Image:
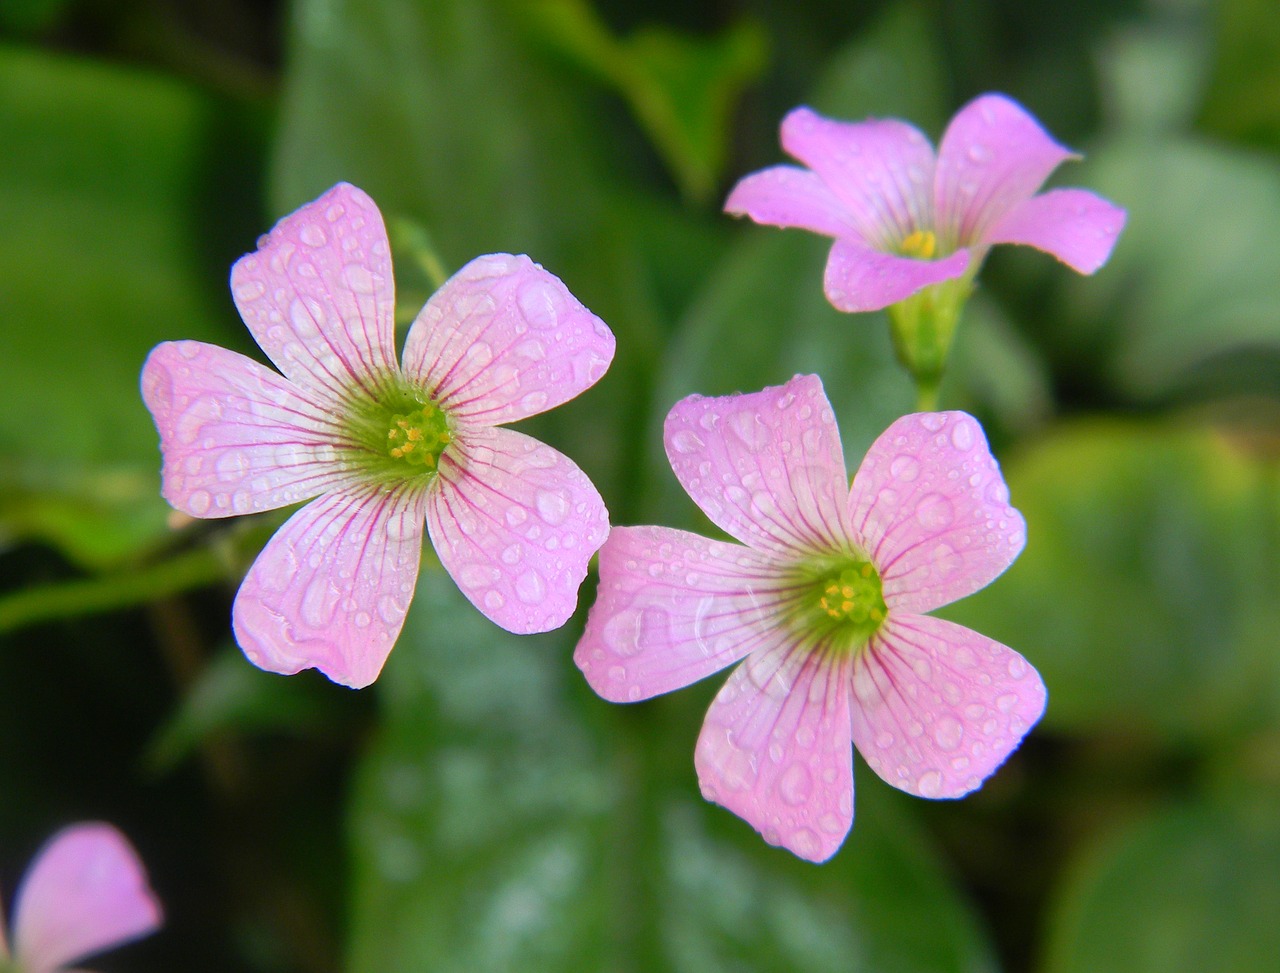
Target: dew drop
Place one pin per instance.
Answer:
(1007, 702)
(929, 784)
(538, 300)
(313, 236)
(531, 588)
(934, 512)
(905, 468)
(962, 435)
(553, 506)
(199, 503)
(948, 733)
(795, 785)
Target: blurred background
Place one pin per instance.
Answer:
(479, 809)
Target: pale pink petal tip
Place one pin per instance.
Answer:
(1078, 227)
(775, 750)
(331, 589)
(86, 892)
(938, 707)
(504, 339)
(515, 524)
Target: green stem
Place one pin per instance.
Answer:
(927, 395)
(30, 606)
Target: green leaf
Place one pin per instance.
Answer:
(680, 88)
(1186, 890)
(1145, 595)
(1242, 96)
(1194, 274)
(507, 819)
(102, 255)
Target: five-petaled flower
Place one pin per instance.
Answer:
(825, 604)
(86, 892)
(383, 446)
(904, 219)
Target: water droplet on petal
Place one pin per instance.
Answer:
(795, 785)
(962, 435)
(948, 733)
(929, 784)
(905, 468)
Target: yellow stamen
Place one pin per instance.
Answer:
(921, 244)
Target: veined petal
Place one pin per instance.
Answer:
(331, 588)
(515, 523)
(993, 156)
(775, 748)
(861, 279)
(938, 707)
(767, 466)
(791, 196)
(236, 437)
(504, 339)
(318, 295)
(932, 510)
(1076, 226)
(85, 892)
(882, 169)
(673, 607)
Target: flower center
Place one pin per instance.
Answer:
(418, 437)
(846, 602)
(921, 244)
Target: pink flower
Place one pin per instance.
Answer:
(904, 219)
(383, 447)
(825, 604)
(85, 892)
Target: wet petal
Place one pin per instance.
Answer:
(993, 157)
(767, 466)
(85, 892)
(882, 169)
(932, 509)
(504, 339)
(236, 437)
(673, 607)
(790, 196)
(861, 279)
(515, 523)
(938, 707)
(318, 294)
(1075, 225)
(775, 749)
(331, 588)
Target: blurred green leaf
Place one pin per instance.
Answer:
(1145, 595)
(101, 256)
(1153, 74)
(31, 16)
(1194, 274)
(1242, 100)
(506, 819)
(1187, 890)
(680, 88)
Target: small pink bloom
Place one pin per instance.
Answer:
(825, 604)
(85, 892)
(904, 219)
(383, 446)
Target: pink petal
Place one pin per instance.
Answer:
(932, 509)
(85, 892)
(790, 196)
(774, 749)
(993, 157)
(503, 339)
(1076, 226)
(767, 466)
(861, 279)
(331, 588)
(674, 607)
(236, 437)
(515, 523)
(938, 707)
(318, 295)
(882, 169)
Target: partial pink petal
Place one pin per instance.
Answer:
(882, 169)
(931, 508)
(1075, 225)
(331, 588)
(993, 157)
(236, 437)
(861, 279)
(85, 892)
(515, 523)
(775, 750)
(673, 607)
(766, 466)
(938, 707)
(790, 196)
(503, 339)
(318, 294)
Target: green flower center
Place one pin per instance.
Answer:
(845, 602)
(418, 437)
